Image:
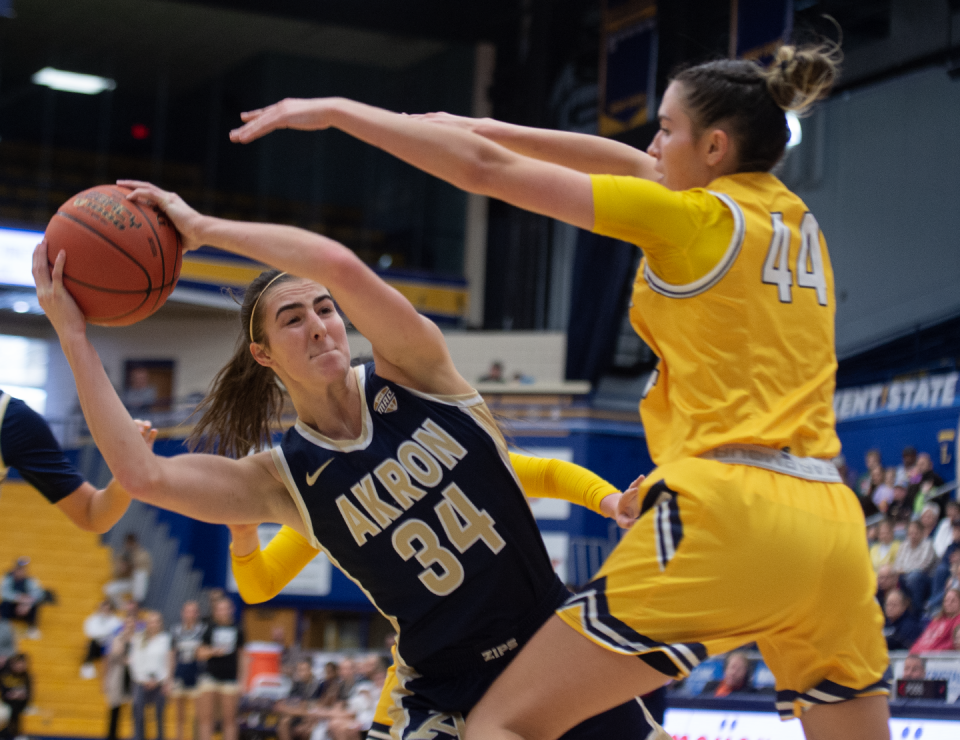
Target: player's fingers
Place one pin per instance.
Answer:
(134, 184)
(41, 270)
(248, 115)
(57, 274)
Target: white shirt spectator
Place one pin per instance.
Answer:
(102, 627)
(911, 558)
(150, 657)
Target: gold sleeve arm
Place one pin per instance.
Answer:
(263, 573)
(547, 478)
(683, 234)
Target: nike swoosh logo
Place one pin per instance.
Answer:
(312, 478)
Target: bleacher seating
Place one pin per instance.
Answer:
(74, 565)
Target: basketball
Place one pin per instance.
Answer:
(123, 258)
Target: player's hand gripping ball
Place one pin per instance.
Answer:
(123, 258)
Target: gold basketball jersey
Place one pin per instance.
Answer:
(746, 343)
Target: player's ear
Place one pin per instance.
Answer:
(260, 355)
(719, 145)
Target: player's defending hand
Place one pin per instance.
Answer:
(296, 113)
(628, 508)
(186, 220)
(55, 300)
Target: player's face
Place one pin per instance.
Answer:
(679, 152)
(306, 338)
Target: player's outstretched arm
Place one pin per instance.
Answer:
(262, 574)
(408, 348)
(594, 155)
(460, 157)
(205, 487)
(550, 478)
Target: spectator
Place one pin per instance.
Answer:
(213, 596)
(884, 552)
(348, 678)
(939, 633)
(956, 638)
(883, 493)
(296, 720)
(873, 461)
(222, 648)
(915, 561)
(494, 374)
(923, 482)
(946, 573)
(150, 673)
(887, 580)
(328, 692)
(914, 668)
(943, 537)
(901, 629)
(100, 628)
(186, 637)
(116, 677)
(141, 395)
(131, 572)
(736, 674)
(929, 516)
(8, 641)
(908, 460)
(354, 720)
(15, 692)
(900, 509)
(29, 446)
(21, 597)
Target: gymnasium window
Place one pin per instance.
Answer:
(23, 372)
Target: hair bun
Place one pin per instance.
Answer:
(801, 75)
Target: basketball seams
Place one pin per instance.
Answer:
(163, 257)
(83, 230)
(116, 246)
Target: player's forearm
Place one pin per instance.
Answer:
(546, 478)
(93, 510)
(587, 153)
(114, 431)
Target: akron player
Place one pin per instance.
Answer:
(395, 469)
(28, 445)
(261, 574)
(745, 532)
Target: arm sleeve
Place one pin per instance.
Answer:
(27, 444)
(683, 234)
(547, 478)
(263, 573)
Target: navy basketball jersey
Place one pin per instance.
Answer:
(424, 513)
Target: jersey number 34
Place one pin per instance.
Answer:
(464, 525)
(809, 265)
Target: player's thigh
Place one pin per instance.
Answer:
(559, 679)
(867, 718)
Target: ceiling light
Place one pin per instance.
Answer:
(21, 306)
(58, 79)
(796, 132)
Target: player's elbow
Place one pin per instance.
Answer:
(483, 169)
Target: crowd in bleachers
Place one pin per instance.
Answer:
(203, 660)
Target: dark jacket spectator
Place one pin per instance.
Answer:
(900, 627)
(15, 692)
(22, 595)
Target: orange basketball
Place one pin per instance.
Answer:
(123, 258)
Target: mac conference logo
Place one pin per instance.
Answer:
(385, 401)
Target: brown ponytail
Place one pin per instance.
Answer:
(800, 75)
(750, 100)
(245, 399)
